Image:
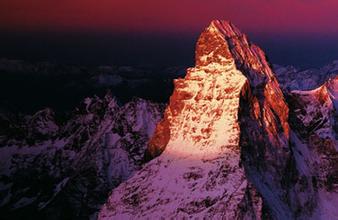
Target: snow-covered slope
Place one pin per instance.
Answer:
(62, 171)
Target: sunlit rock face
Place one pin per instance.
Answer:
(264, 129)
(219, 48)
(198, 172)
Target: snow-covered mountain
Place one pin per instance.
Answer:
(292, 78)
(229, 147)
(239, 139)
(64, 171)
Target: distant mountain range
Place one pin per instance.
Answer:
(28, 87)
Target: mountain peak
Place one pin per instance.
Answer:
(223, 43)
(227, 104)
(224, 27)
(212, 46)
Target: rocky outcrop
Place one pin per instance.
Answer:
(72, 166)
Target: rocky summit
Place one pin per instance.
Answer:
(230, 147)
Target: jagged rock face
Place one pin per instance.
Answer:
(218, 46)
(264, 129)
(314, 122)
(100, 146)
(198, 172)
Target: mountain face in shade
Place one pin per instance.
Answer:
(314, 123)
(228, 147)
(314, 139)
(54, 170)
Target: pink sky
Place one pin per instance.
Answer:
(270, 16)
